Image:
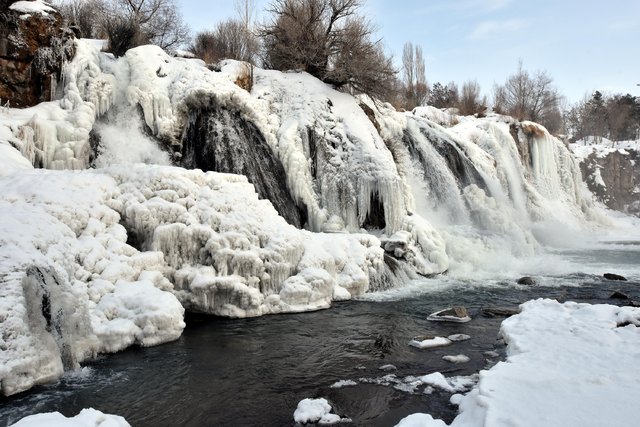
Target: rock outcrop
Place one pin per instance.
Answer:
(34, 45)
(611, 170)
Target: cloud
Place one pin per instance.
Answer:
(486, 29)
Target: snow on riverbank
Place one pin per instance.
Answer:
(86, 418)
(568, 365)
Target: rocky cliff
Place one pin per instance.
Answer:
(611, 171)
(34, 45)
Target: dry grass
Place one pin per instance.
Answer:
(531, 129)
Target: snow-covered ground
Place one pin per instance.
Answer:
(601, 147)
(568, 365)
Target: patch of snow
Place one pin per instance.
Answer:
(459, 337)
(343, 383)
(420, 420)
(86, 418)
(316, 411)
(459, 358)
(420, 342)
(33, 6)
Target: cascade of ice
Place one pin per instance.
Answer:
(438, 185)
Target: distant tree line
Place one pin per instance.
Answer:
(615, 117)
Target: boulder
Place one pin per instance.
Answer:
(619, 295)
(612, 276)
(457, 314)
(526, 280)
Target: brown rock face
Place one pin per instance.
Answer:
(621, 176)
(33, 49)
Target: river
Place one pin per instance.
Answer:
(253, 372)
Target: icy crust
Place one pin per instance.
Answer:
(568, 365)
(230, 253)
(86, 418)
(74, 286)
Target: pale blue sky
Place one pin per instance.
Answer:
(584, 45)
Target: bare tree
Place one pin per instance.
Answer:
(86, 15)
(444, 96)
(416, 89)
(330, 40)
(528, 97)
(230, 39)
(470, 101)
(156, 21)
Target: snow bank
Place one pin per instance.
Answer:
(86, 418)
(568, 365)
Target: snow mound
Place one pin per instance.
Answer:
(86, 418)
(542, 384)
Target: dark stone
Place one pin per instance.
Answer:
(612, 276)
(456, 311)
(619, 295)
(526, 280)
(499, 311)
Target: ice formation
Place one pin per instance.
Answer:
(541, 383)
(96, 260)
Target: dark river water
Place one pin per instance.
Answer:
(253, 372)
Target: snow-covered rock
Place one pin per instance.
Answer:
(316, 411)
